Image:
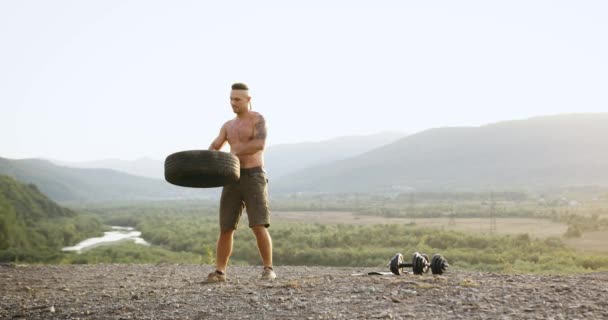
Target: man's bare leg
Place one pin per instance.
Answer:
(224, 250)
(264, 244)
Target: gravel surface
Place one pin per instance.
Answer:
(175, 292)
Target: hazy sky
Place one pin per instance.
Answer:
(83, 80)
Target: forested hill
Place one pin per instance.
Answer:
(34, 228)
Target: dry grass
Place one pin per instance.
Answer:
(590, 242)
(468, 283)
(540, 228)
(293, 284)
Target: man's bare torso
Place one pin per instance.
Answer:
(240, 131)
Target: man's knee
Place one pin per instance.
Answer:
(259, 229)
(226, 233)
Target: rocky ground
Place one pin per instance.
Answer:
(176, 292)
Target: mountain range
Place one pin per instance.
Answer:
(542, 152)
(143, 179)
(280, 159)
(532, 154)
(68, 184)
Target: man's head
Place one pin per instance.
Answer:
(239, 98)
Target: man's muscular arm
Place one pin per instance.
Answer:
(258, 142)
(219, 142)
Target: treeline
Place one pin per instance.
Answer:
(581, 223)
(356, 201)
(362, 245)
(443, 204)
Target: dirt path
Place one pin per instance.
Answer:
(175, 292)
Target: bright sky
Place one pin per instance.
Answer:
(84, 80)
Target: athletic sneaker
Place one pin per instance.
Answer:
(215, 277)
(268, 274)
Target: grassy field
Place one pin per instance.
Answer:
(590, 242)
(539, 228)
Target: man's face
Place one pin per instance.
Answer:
(239, 100)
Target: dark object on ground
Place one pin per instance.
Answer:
(396, 264)
(420, 264)
(439, 264)
(202, 168)
(373, 273)
(376, 273)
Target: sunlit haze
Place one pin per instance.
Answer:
(84, 80)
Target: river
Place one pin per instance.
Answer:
(118, 234)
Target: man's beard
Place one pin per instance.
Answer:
(237, 110)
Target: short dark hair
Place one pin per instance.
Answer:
(239, 86)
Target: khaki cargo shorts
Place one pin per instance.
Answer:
(250, 192)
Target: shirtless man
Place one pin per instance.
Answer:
(246, 134)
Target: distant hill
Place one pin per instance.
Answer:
(143, 167)
(85, 185)
(289, 158)
(551, 151)
(279, 159)
(34, 228)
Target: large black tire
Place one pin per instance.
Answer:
(202, 169)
